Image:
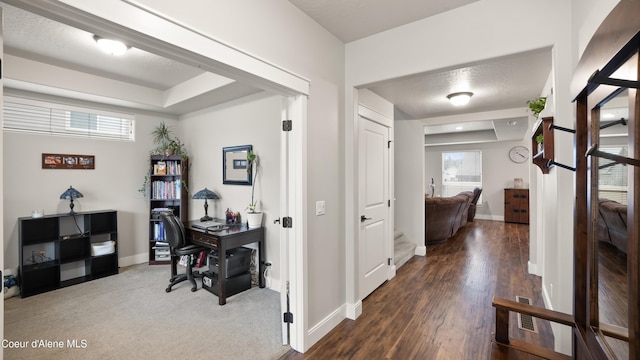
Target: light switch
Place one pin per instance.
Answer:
(320, 208)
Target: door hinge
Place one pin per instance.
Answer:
(389, 203)
(286, 125)
(287, 222)
(288, 317)
(389, 261)
(389, 144)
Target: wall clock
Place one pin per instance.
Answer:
(519, 154)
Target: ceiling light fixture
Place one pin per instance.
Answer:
(113, 47)
(460, 98)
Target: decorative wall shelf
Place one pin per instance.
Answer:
(542, 157)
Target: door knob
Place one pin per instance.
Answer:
(364, 218)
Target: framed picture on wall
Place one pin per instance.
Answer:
(68, 161)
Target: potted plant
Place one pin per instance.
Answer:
(165, 143)
(537, 105)
(254, 218)
(540, 140)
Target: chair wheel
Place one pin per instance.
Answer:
(167, 289)
(193, 289)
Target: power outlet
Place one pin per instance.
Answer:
(320, 208)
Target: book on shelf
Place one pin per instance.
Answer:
(161, 168)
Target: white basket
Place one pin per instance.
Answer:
(103, 248)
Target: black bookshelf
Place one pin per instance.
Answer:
(169, 178)
(66, 249)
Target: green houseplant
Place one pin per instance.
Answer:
(537, 105)
(254, 218)
(539, 140)
(165, 143)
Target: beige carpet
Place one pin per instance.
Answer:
(130, 316)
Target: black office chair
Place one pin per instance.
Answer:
(175, 236)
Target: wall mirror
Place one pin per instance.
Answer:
(610, 132)
(236, 169)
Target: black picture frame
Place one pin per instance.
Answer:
(236, 170)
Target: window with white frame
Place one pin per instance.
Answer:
(612, 176)
(461, 171)
(25, 115)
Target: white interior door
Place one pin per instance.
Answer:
(374, 205)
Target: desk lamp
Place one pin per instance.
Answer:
(205, 194)
(71, 194)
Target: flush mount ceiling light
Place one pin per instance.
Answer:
(113, 47)
(460, 98)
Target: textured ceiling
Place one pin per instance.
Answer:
(35, 37)
(502, 83)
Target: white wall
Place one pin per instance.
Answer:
(120, 168)
(498, 173)
(409, 180)
(253, 120)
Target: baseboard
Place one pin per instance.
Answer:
(327, 324)
(273, 284)
(489, 217)
(133, 260)
(392, 272)
(354, 310)
(421, 250)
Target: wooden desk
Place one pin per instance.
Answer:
(232, 236)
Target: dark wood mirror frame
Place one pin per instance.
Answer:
(615, 46)
(236, 169)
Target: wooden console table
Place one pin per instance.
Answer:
(232, 236)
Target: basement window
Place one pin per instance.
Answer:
(612, 176)
(461, 171)
(38, 117)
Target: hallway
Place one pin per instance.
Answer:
(439, 306)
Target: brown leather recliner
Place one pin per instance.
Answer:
(445, 215)
(612, 223)
(474, 202)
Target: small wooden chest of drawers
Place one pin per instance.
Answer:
(516, 206)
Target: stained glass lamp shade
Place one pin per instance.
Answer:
(206, 194)
(71, 194)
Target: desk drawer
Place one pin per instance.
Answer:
(205, 239)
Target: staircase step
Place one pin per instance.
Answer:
(403, 250)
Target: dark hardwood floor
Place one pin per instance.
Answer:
(439, 306)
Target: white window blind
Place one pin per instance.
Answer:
(23, 115)
(461, 171)
(612, 177)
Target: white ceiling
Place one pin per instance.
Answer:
(497, 84)
(351, 20)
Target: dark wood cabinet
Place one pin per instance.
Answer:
(66, 249)
(516, 206)
(168, 181)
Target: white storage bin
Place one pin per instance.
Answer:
(103, 248)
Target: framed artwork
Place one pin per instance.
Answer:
(68, 161)
(236, 169)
